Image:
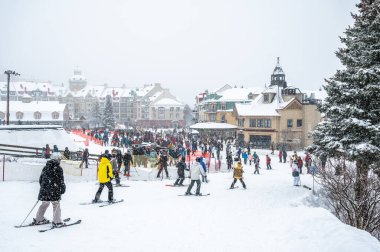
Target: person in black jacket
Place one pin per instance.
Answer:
(128, 161)
(181, 172)
(52, 187)
(163, 164)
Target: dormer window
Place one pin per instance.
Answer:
(55, 115)
(19, 115)
(250, 96)
(37, 115)
(266, 97)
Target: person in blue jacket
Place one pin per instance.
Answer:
(245, 157)
(204, 177)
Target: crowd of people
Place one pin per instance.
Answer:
(160, 149)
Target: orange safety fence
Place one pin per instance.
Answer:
(87, 137)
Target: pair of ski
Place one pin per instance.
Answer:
(65, 221)
(195, 195)
(106, 203)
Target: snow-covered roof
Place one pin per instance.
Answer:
(46, 108)
(238, 94)
(212, 125)
(319, 94)
(258, 108)
(167, 102)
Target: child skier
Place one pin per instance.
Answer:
(238, 174)
(181, 172)
(269, 167)
(257, 166)
(296, 174)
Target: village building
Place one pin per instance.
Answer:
(278, 114)
(150, 105)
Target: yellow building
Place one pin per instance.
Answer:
(281, 114)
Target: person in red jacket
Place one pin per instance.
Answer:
(269, 167)
(280, 155)
(300, 164)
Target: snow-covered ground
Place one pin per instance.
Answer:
(271, 215)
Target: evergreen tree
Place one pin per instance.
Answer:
(108, 118)
(351, 130)
(96, 115)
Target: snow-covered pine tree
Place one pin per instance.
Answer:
(108, 117)
(351, 129)
(96, 115)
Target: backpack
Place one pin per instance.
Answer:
(295, 173)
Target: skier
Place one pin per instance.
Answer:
(257, 166)
(245, 157)
(296, 174)
(284, 155)
(255, 157)
(300, 164)
(269, 167)
(163, 164)
(195, 171)
(229, 161)
(280, 156)
(181, 172)
(238, 175)
(47, 152)
(204, 176)
(104, 176)
(52, 187)
(128, 161)
(66, 153)
(85, 156)
(115, 167)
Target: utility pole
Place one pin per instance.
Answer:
(9, 73)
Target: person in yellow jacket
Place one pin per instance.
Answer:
(105, 175)
(238, 175)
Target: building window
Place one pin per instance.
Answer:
(171, 109)
(177, 109)
(266, 98)
(223, 119)
(250, 96)
(260, 123)
(55, 115)
(177, 115)
(2, 115)
(161, 113)
(223, 106)
(37, 115)
(252, 123)
(299, 122)
(212, 117)
(241, 122)
(267, 123)
(290, 123)
(19, 115)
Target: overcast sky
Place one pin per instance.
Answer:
(187, 45)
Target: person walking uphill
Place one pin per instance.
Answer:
(105, 175)
(238, 175)
(195, 171)
(52, 187)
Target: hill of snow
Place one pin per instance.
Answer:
(271, 215)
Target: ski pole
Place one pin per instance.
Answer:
(29, 213)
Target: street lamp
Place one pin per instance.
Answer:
(9, 73)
